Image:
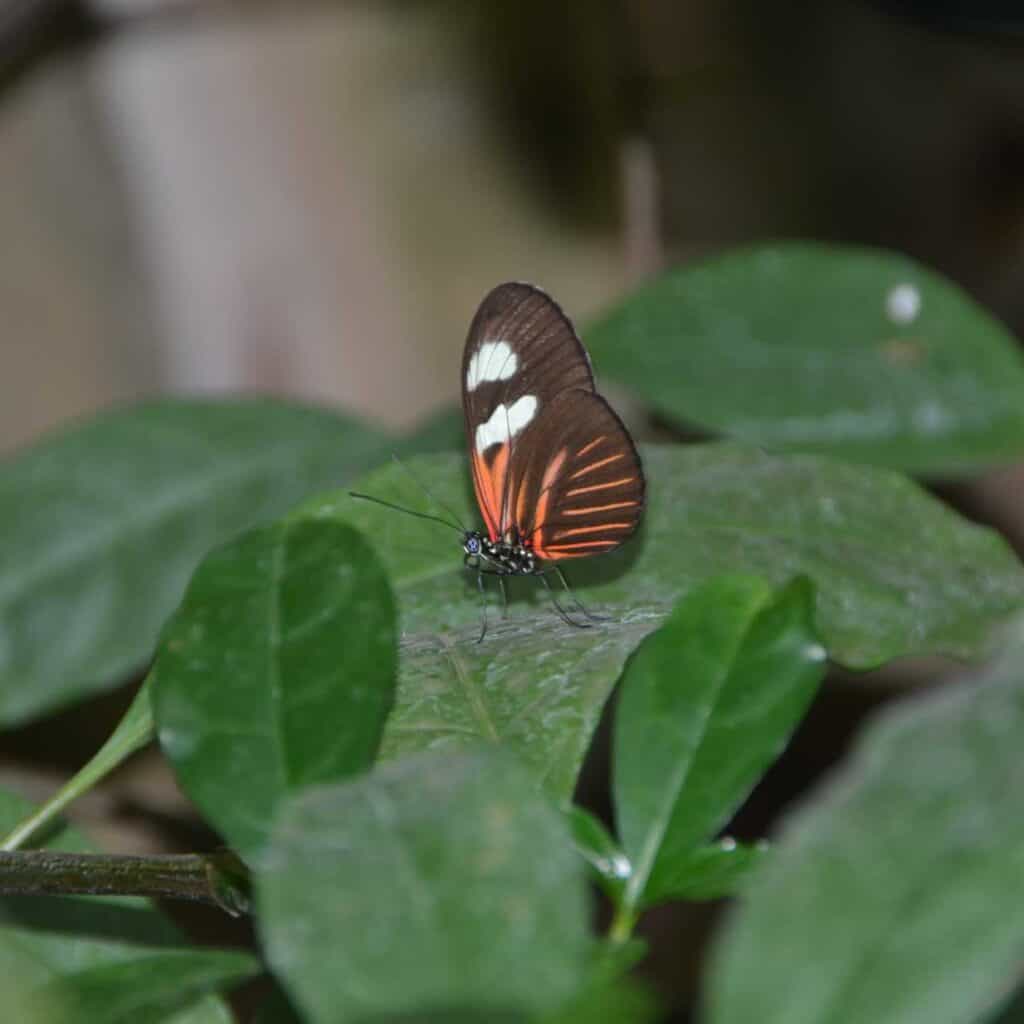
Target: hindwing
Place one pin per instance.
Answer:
(576, 487)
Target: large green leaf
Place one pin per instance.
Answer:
(101, 525)
(707, 873)
(146, 989)
(895, 573)
(59, 947)
(134, 731)
(608, 862)
(892, 897)
(707, 703)
(442, 882)
(855, 352)
(615, 1002)
(277, 671)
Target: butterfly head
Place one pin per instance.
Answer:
(473, 545)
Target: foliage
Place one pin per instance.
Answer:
(853, 352)
(402, 793)
(74, 959)
(914, 846)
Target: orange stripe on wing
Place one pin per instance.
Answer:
(499, 472)
(597, 508)
(490, 485)
(587, 447)
(595, 465)
(546, 483)
(520, 517)
(479, 485)
(557, 548)
(577, 530)
(600, 487)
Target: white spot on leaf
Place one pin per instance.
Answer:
(903, 303)
(815, 652)
(932, 418)
(620, 866)
(506, 422)
(493, 360)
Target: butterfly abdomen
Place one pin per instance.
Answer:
(511, 559)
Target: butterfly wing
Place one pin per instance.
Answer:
(577, 486)
(521, 353)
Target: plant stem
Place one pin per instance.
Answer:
(622, 925)
(134, 731)
(218, 879)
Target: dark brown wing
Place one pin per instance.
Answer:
(577, 486)
(521, 352)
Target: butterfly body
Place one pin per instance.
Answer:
(505, 558)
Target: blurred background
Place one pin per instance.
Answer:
(309, 197)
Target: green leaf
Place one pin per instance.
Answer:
(895, 572)
(49, 945)
(707, 873)
(609, 995)
(132, 733)
(707, 703)
(146, 989)
(813, 347)
(101, 525)
(621, 1002)
(892, 896)
(441, 882)
(277, 671)
(607, 861)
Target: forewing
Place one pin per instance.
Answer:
(521, 353)
(577, 486)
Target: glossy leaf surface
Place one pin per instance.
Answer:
(709, 872)
(53, 950)
(895, 573)
(442, 882)
(859, 353)
(102, 523)
(146, 989)
(890, 896)
(277, 671)
(707, 703)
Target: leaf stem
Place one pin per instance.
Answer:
(134, 731)
(622, 925)
(217, 879)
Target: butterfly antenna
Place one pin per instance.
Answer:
(407, 511)
(426, 490)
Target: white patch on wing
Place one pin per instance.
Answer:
(493, 360)
(506, 422)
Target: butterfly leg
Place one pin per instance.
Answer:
(501, 586)
(504, 595)
(483, 605)
(589, 615)
(561, 611)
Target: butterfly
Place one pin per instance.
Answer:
(556, 474)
